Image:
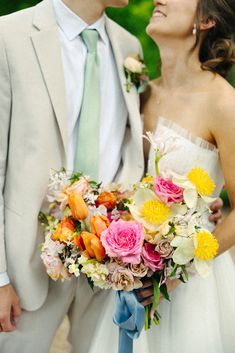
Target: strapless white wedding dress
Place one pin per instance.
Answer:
(201, 315)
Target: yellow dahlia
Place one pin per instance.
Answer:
(155, 212)
(202, 181)
(147, 179)
(207, 246)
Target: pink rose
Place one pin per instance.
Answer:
(167, 191)
(152, 258)
(123, 240)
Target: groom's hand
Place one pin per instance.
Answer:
(216, 208)
(9, 308)
(145, 293)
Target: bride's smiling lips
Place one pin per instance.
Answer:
(158, 14)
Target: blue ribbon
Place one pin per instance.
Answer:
(130, 317)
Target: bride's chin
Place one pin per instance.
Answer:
(152, 29)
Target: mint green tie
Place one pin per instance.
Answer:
(87, 152)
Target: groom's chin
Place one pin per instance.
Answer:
(116, 3)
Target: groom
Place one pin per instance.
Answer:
(62, 96)
(61, 74)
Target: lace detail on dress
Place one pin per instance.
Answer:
(199, 141)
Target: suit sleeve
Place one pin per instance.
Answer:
(5, 113)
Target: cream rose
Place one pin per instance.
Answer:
(133, 65)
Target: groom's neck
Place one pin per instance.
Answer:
(89, 10)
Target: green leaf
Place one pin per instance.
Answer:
(185, 272)
(147, 323)
(173, 272)
(42, 217)
(75, 177)
(156, 294)
(164, 292)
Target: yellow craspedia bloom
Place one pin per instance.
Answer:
(155, 212)
(202, 181)
(207, 246)
(147, 179)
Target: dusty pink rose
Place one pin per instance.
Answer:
(139, 270)
(152, 258)
(123, 239)
(167, 191)
(123, 279)
(164, 248)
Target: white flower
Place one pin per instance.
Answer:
(191, 196)
(73, 269)
(133, 65)
(82, 259)
(184, 252)
(97, 272)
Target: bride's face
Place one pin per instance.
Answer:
(172, 18)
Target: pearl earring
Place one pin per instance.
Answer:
(194, 29)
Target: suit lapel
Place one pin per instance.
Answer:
(47, 47)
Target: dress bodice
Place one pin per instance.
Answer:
(183, 151)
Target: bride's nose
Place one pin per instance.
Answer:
(159, 2)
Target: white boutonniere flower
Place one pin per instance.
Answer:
(136, 73)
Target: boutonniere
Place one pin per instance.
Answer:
(136, 73)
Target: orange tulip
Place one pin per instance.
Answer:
(108, 199)
(64, 230)
(78, 206)
(79, 242)
(93, 246)
(99, 224)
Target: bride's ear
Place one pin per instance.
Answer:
(207, 23)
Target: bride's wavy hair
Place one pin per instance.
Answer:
(217, 49)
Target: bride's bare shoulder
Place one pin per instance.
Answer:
(223, 108)
(223, 98)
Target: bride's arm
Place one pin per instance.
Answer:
(223, 127)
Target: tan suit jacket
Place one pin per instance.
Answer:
(34, 136)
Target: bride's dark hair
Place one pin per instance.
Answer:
(217, 49)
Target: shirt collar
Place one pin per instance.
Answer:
(72, 25)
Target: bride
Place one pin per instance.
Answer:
(192, 102)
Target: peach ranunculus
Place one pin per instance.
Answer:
(55, 268)
(93, 246)
(108, 199)
(64, 231)
(99, 224)
(80, 187)
(77, 206)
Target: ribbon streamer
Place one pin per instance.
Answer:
(130, 317)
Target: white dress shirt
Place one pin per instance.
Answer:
(113, 108)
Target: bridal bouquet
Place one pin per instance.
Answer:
(118, 237)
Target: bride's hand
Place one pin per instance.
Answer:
(145, 294)
(216, 207)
